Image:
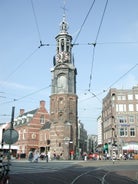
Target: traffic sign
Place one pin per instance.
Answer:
(10, 136)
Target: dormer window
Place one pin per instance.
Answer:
(42, 119)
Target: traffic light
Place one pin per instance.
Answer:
(105, 148)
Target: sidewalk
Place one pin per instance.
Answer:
(39, 160)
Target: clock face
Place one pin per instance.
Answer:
(62, 57)
(58, 57)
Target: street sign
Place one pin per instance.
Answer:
(10, 136)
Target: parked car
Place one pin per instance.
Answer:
(93, 156)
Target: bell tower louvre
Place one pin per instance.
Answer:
(63, 99)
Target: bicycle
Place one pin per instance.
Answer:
(4, 174)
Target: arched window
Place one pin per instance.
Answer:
(62, 83)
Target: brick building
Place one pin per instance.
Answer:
(28, 124)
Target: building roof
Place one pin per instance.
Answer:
(24, 118)
(29, 112)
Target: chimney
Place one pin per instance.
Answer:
(22, 111)
(42, 104)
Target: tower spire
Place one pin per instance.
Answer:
(64, 24)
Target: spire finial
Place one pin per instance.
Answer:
(64, 25)
(64, 8)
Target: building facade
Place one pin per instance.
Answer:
(120, 120)
(28, 124)
(92, 143)
(82, 139)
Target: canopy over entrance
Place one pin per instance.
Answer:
(130, 146)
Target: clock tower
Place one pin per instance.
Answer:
(63, 99)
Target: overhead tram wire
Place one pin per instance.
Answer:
(107, 43)
(23, 62)
(35, 20)
(25, 96)
(117, 43)
(74, 43)
(94, 46)
(32, 53)
(122, 76)
(19, 66)
(37, 27)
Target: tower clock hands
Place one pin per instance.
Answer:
(62, 56)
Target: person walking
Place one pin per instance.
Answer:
(36, 156)
(30, 156)
(46, 157)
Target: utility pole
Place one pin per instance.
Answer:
(11, 128)
(10, 136)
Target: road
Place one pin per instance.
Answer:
(74, 172)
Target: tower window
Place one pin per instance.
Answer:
(67, 48)
(62, 45)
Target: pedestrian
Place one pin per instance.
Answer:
(46, 157)
(42, 155)
(36, 156)
(30, 156)
(55, 156)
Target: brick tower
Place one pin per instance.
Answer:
(63, 99)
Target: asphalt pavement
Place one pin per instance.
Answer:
(74, 172)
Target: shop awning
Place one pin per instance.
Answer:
(6, 146)
(130, 146)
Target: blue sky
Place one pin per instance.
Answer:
(25, 68)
